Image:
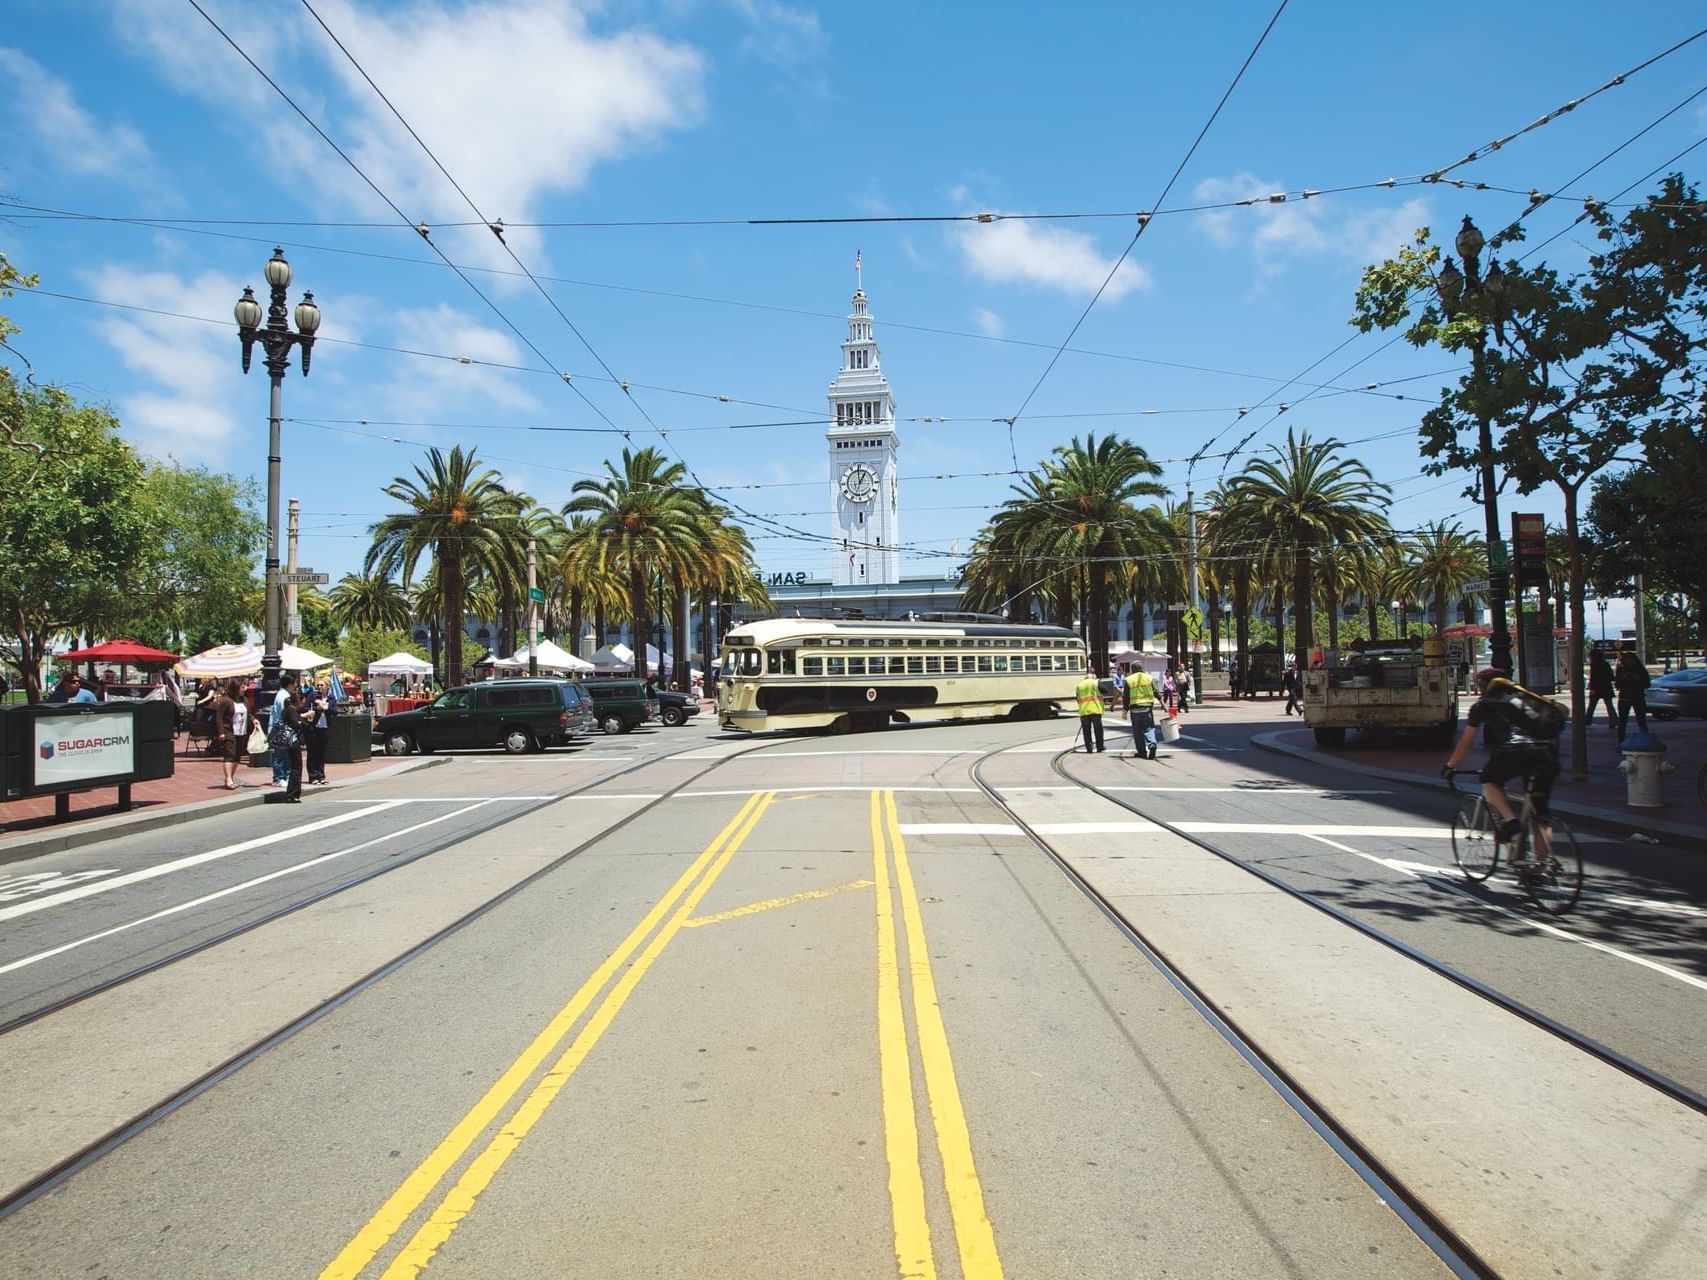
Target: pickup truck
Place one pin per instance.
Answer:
(675, 708)
(1386, 685)
(621, 705)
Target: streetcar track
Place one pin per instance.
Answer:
(93, 1152)
(1664, 1084)
(1412, 1209)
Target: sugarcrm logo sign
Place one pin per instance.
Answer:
(47, 751)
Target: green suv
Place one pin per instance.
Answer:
(518, 715)
(620, 705)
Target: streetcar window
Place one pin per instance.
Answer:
(951, 664)
(856, 666)
(1001, 662)
(780, 662)
(984, 662)
(836, 666)
(1031, 662)
(933, 665)
(832, 640)
(1058, 661)
(812, 666)
(749, 662)
(915, 665)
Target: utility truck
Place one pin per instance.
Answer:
(1384, 685)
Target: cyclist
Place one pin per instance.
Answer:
(1521, 748)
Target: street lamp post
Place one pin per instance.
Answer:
(276, 340)
(1452, 285)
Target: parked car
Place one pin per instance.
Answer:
(621, 705)
(675, 707)
(1681, 693)
(518, 715)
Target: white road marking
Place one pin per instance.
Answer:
(31, 883)
(799, 755)
(959, 829)
(1093, 828)
(753, 791)
(1251, 791)
(221, 893)
(460, 799)
(1450, 879)
(1312, 829)
(193, 860)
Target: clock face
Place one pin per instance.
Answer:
(859, 483)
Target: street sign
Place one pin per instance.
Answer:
(304, 577)
(536, 594)
(293, 624)
(1499, 559)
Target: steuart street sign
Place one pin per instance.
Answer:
(304, 577)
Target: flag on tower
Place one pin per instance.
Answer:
(856, 259)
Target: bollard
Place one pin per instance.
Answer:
(1644, 767)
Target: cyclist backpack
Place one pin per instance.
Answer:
(1537, 718)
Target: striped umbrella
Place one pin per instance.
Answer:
(221, 661)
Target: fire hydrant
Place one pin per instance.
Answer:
(1644, 767)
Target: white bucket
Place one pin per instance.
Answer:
(1168, 730)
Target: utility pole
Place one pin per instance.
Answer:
(533, 615)
(1641, 623)
(291, 620)
(1196, 597)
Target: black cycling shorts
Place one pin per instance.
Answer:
(1537, 763)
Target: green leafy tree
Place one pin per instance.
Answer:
(196, 572)
(72, 525)
(1438, 565)
(1651, 520)
(1567, 372)
(362, 645)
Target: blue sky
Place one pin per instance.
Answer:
(704, 111)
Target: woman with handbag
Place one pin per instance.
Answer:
(286, 737)
(228, 719)
(318, 709)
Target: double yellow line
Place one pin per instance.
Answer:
(678, 905)
(973, 1235)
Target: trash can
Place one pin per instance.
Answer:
(1644, 767)
(349, 737)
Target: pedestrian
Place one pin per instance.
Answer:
(228, 718)
(281, 760)
(1631, 680)
(1292, 682)
(1089, 695)
(286, 737)
(1182, 683)
(318, 717)
(1170, 690)
(1600, 687)
(1141, 710)
(1233, 676)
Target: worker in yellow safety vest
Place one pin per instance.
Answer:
(1141, 699)
(1090, 709)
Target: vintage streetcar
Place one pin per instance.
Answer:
(849, 674)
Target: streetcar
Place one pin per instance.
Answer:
(848, 674)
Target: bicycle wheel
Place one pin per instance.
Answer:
(1475, 848)
(1557, 880)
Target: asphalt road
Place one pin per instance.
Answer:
(818, 1013)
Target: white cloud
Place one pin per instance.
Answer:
(989, 323)
(517, 98)
(429, 389)
(189, 372)
(42, 106)
(781, 35)
(1322, 226)
(1034, 253)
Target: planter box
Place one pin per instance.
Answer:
(350, 738)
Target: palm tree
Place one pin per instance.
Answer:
(458, 514)
(1440, 562)
(641, 523)
(372, 602)
(1309, 497)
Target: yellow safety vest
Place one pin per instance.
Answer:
(1140, 689)
(1089, 696)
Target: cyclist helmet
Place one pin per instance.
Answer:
(1487, 675)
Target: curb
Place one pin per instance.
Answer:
(123, 824)
(1675, 835)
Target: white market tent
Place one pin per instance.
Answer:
(400, 664)
(614, 657)
(550, 655)
(295, 658)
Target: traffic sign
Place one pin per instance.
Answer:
(304, 577)
(536, 594)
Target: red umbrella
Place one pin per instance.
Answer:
(128, 652)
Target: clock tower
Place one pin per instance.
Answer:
(865, 495)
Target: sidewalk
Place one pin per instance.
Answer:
(1598, 802)
(194, 790)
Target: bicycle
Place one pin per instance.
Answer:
(1553, 879)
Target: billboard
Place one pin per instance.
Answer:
(1529, 541)
(68, 749)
